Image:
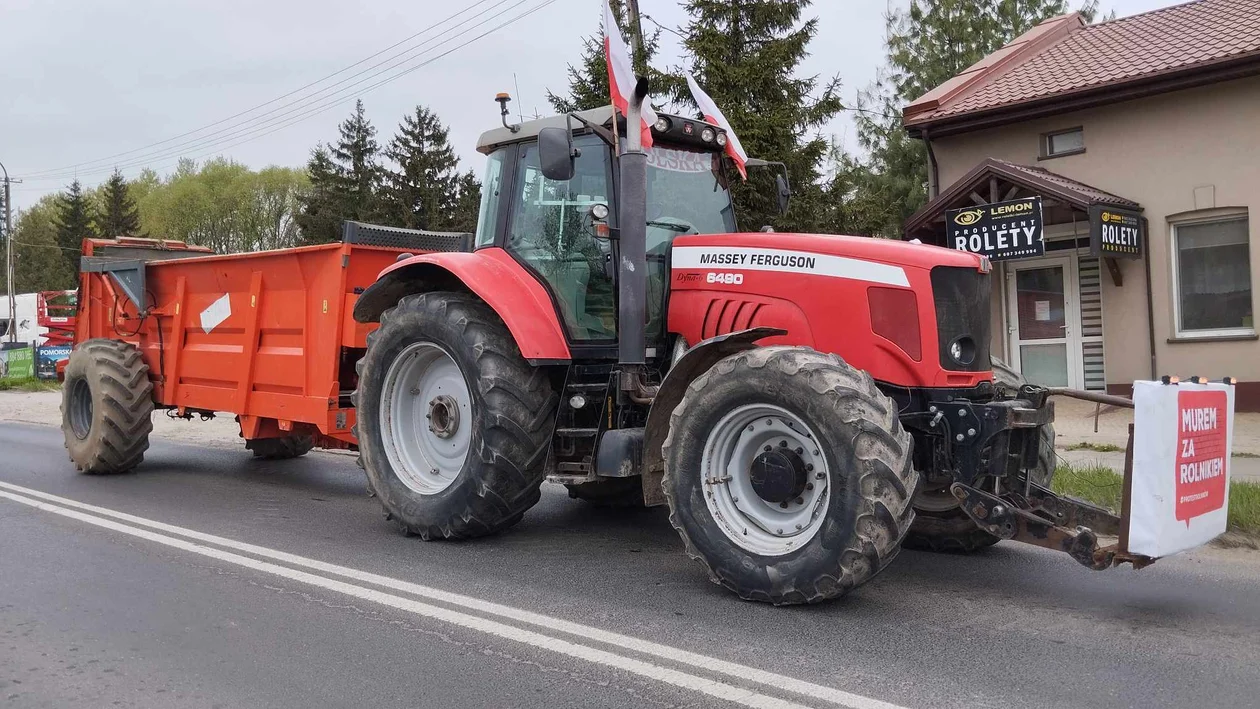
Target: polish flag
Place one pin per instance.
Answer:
(714, 115)
(621, 78)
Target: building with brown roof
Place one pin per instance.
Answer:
(1112, 171)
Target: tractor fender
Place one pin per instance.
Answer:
(492, 275)
(698, 360)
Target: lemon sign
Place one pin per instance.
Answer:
(1002, 230)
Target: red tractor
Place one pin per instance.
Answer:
(804, 404)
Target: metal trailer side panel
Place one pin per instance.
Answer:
(260, 335)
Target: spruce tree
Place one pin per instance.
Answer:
(322, 204)
(118, 214)
(421, 188)
(345, 181)
(74, 224)
(745, 54)
(928, 43)
(588, 79)
(467, 204)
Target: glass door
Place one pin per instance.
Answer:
(1042, 321)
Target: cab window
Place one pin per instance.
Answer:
(488, 216)
(551, 231)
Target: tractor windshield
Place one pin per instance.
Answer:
(687, 194)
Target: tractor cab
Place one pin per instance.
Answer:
(565, 231)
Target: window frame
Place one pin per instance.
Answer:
(1046, 154)
(1175, 276)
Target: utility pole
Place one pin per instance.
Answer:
(8, 253)
(636, 29)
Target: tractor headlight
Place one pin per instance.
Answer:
(963, 350)
(708, 135)
(661, 125)
(721, 139)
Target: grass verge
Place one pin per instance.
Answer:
(1096, 447)
(31, 384)
(1103, 486)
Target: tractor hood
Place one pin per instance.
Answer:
(882, 251)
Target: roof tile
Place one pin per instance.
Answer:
(1129, 48)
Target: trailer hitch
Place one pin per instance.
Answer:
(1007, 519)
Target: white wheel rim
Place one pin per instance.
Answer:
(747, 519)
(426, 418)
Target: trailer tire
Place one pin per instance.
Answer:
(280, 448)
(951, 530)
(106, 407)
(860, 476)
(509, 412)
(610, 492)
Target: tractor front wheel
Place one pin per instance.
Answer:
(453, 423)
(280, 448)
(788, 475)
(106, 407)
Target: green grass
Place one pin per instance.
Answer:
(31, 384)
(1096, 447)
(1103, 486)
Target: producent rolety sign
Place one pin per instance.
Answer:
(1114, 232)
(1001, 231)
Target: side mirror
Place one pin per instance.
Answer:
(556, 154)
(783, 191)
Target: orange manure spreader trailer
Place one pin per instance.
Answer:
(267, 336)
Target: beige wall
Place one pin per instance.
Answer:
(1154, 151)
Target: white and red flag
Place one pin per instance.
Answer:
(621, 78)
(714, 115)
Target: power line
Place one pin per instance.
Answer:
(267, 103)
(263, 122)
(312, 105)
(667, 28)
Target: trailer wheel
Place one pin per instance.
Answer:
(942, 526)
(788, 475)
(453, 424)
(280, 448)
(610, 492)
(106, 407)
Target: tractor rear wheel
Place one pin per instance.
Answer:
(941, 525)
(106, 407)
(453, 424)
(788, 475)
(280, 448)
(610, 492)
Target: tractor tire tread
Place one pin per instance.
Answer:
(887, 484)
(518, 411)
(122, 407)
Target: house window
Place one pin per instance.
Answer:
(1212, 264)
(1064, 142)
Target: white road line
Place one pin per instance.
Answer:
(664, 652)
(713, 688)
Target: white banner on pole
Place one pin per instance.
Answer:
(1182, 441)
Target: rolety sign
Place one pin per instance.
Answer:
(1115, 233)
(1001, 231)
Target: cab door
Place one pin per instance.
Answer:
(551, 232)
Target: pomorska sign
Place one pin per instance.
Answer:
(1002, 230)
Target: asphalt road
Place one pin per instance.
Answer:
(98, 609)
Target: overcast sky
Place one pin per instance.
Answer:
(86, 81)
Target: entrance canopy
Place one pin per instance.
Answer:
(1064, 200)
